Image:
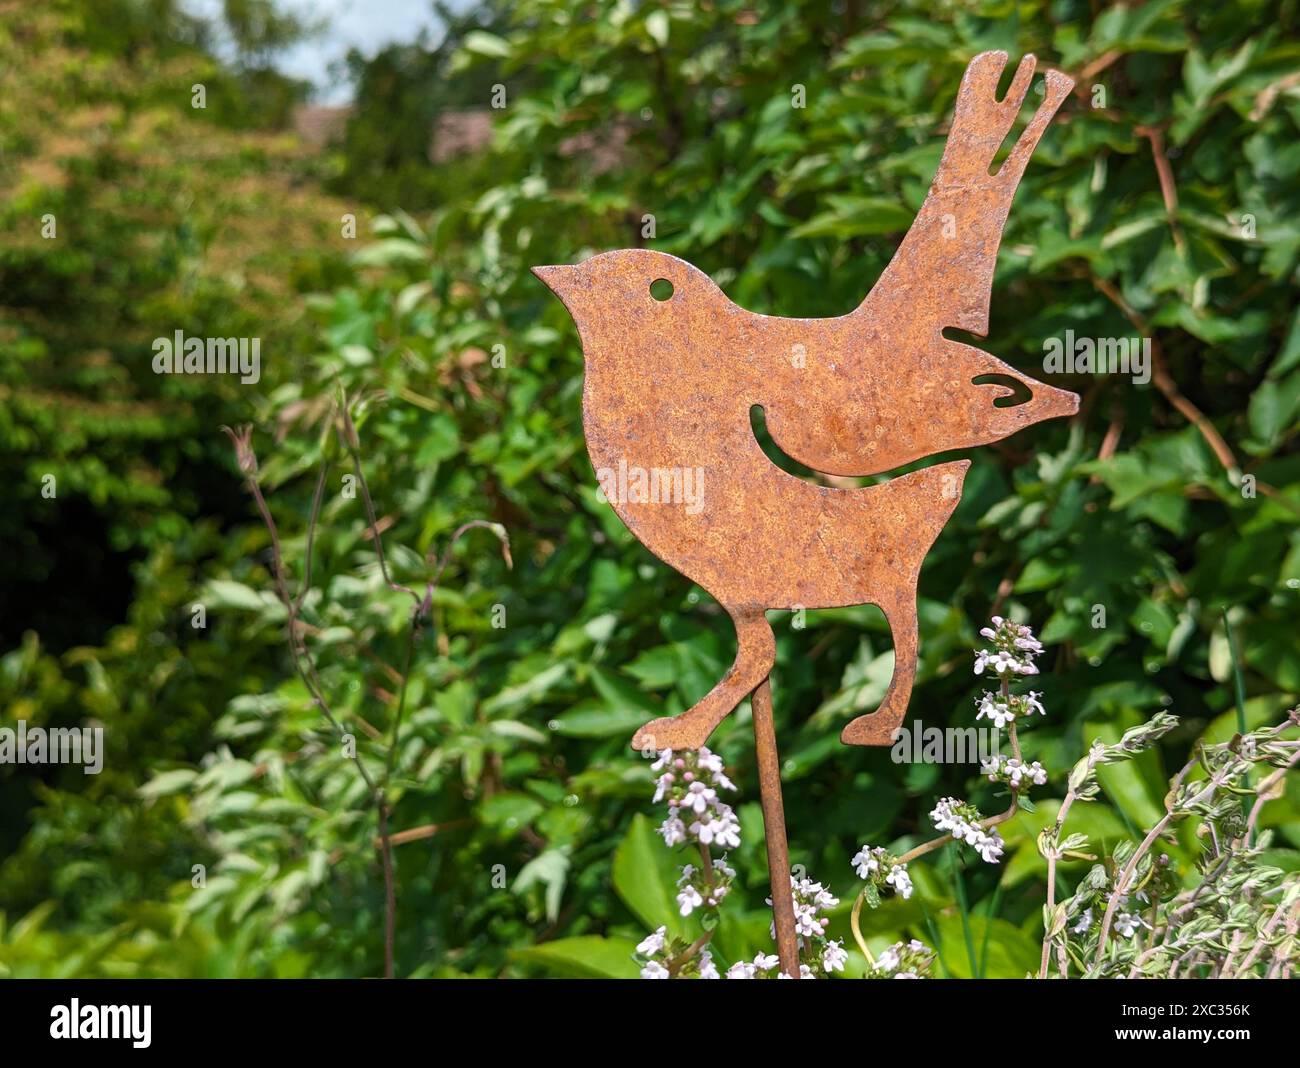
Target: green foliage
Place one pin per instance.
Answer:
(535, 855)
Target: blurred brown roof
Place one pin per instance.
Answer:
(460, 133)
(464, 132)
(319, 124)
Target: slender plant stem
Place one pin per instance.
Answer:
(1125, 876)
(302, 660)
(855, 924)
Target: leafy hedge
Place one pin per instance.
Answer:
(538, 855)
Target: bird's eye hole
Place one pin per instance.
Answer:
(661, 289)
(1016, 392)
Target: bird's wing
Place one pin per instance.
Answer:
(942, 273)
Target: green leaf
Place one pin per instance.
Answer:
(510, 811)
(550, 869)
(586, 957)
(1273, 406)
(527, 693)
(593, 719)
(1125, 783)
(389, 252)
(482, 43)
(853, 216)
(645, 878)
(223, 593)
(656, 25)
(1011, 954)
(656, 668)
(620, 695)
(168, 782)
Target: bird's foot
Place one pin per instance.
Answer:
(876, 728)
(672, 732)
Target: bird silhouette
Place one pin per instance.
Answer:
(674, 368)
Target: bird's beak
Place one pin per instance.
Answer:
(556, 277)
(1052, 402)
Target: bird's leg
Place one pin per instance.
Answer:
(691, 729)
(878, 728)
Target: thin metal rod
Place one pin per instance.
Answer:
(778, 849)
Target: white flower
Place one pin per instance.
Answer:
(1014, 649)
(1001, 768)
(904, 961)
(900, 881)
(689, 899)
(961, 821)
(712, 763)
(723, 829)
(655, 970)
(708, 970)
(989, 847)
(652, 943)
(747, 970)
(699, 797)
(880, 867)
(1085, 921)
(866, 862)
(996, 708)
(834, 956)
(673, 830)
(689, 781)
(810, 898)
(944, 818)
(1127, 923)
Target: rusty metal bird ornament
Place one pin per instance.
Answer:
(671, 381)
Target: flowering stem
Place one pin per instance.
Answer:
(708, 863)
(677, 963)
(942, 840)
(855, 924)
(1126, 875)
(1070, 797)
(986, 824)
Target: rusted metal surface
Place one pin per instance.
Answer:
(778, 848)
(670, 384)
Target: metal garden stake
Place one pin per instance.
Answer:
(671, 381)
